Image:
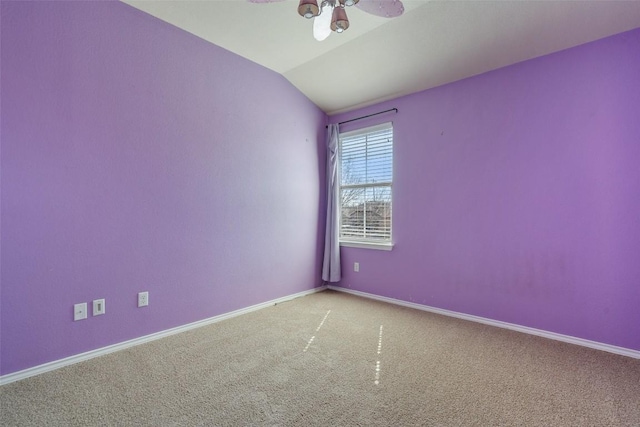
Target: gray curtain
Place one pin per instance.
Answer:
(331, 263)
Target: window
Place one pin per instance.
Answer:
(366, 178)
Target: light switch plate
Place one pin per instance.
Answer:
(98, 307)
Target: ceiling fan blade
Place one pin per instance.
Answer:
(383, 8)
(322, 23)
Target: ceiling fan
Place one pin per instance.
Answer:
(331, 15)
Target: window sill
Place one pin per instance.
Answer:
(367, 245)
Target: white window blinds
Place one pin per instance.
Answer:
(366, 178)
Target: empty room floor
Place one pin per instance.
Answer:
(336, 359)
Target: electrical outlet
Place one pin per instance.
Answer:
(79, 311)
(98, 307)
(356, 267)
(143, 299)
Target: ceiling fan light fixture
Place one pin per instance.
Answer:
(339, 22)
(348, 2)
(308, 8)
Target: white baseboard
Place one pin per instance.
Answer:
(56, 364)
(525, 329)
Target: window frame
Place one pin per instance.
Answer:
(367, 243)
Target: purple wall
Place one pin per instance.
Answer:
(517, 195)
(136, 156)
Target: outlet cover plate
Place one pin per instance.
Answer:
(143, 299)
(79, 311)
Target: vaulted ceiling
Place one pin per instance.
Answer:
(431, 44)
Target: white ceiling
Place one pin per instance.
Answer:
(433, 43)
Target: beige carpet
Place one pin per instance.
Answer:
(253, 370)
